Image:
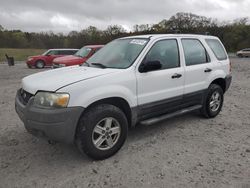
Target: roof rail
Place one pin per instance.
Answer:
(177, 31)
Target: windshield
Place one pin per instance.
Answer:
(45, 53)
(120, 53)
(83, 52)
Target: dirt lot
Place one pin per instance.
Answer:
(187, 151)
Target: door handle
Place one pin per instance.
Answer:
(176, 75)
(208, 70)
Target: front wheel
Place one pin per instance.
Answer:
(240, 55)
(101, 131)
(213, 102)
(40, 64)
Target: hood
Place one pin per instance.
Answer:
(35, 56)
(68, 59)
(55, 79)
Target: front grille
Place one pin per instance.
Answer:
(24, 96)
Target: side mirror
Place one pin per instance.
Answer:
(149, 66)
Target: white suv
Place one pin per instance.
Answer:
(139, 79)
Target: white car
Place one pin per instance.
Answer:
(244, 53)
(139, 79)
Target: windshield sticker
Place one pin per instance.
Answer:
(138, 41)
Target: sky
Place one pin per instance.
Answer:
(65, 16)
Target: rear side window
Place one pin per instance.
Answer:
(217, 49)
(67, 52)
(194, 52)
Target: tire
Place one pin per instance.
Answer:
(40, 64)
(87, 134)
(212, 106)
(240, 55)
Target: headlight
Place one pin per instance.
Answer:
(30, 59)
(56, 100)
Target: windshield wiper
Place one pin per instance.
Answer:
(99, 64)
(85, 63)
(77, 55)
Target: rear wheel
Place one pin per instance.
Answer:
(102, 131)
(40, 64)
(213, 102)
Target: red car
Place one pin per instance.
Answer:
(44, 60)
(78, 58)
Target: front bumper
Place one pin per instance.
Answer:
(30, 63)
(228, 80)
(52, 124)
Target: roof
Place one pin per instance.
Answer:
(94, 46)
(156, 36)
(63, 49)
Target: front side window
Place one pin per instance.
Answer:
(120, 53)
(53, 52)
(217, 49)
(83, 52)
(166, 52)
(194, 52)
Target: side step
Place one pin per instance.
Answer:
(167, 116)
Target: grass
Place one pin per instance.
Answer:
(19, 54)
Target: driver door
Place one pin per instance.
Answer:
(51, 56)
(161, 91)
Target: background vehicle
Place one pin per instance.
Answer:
(44, 60)
(78, 58)
(139, 79)
(244, 53)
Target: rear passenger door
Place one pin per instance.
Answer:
(161, 91)
(198, 68)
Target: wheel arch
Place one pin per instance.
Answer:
(221, 82)
(119, 102)
(37, 60)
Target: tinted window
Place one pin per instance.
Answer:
(194, 52)
(166, 52)
(217, 49)
(67, 52)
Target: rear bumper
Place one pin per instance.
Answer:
(228, 80)
(52, 124)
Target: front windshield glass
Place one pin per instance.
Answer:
(120, 53)
(83, 52)
(45, 53)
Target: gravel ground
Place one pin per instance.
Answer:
(187, 151)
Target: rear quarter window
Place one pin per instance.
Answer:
(217, 49)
